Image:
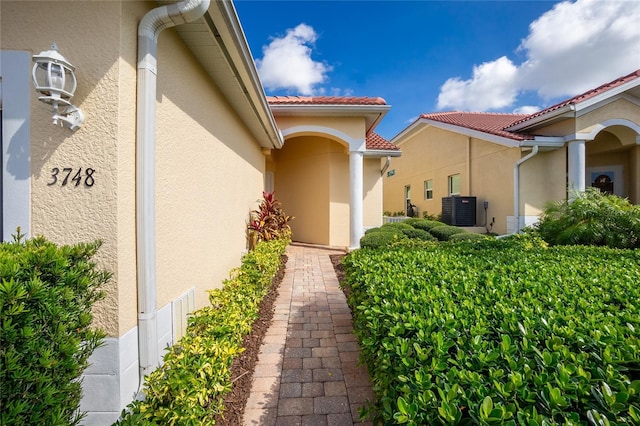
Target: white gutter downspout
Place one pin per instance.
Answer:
(149, 29)
(387, 162)
(516, 187)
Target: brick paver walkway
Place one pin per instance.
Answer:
(307, 372)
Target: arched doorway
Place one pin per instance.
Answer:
(312, 180)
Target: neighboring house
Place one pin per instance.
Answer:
(515, 164)
(177, 145)
(328, 174)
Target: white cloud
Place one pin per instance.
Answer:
(526, 109)
(574, 47)
(287, 63)
(492, 87)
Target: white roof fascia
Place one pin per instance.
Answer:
(381, 153)
(217, 41)
(511, 143)
(580, 106)
(544, 142)
(372, 113)
(257, 96)
(566, 111)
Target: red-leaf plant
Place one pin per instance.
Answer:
(268, 222)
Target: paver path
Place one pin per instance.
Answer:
(307, 372)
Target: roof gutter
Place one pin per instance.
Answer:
(149, 29)
(516, 187)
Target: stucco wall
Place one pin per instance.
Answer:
(619, 109)
(372, 182)
(302, 185)
(70, 214)
(542, 179)
(353, 127)
(339, 196)
(209, 175)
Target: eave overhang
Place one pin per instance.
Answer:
(219, 44)
(372, 114)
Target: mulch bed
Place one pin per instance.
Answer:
(243, 366)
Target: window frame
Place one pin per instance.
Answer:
(428, 189)
(451, 188)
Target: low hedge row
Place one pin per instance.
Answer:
(46, 296)
(504, 332)
(188, 389)
(415, 230)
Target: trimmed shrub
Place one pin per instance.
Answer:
(382, 229)
(418, 234)
(426, 224)
(376, 240)
(468, 236)
(520, 334)
(396, 225)
(444, 232)
(46, 296)
(592, 218)
(189, 388)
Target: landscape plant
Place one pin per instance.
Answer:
(268, 221)
(592, 218)
(46, 297)
(499, 332)
(189, 388)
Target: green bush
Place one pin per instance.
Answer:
(396, 225)
(426, 224)
(468, 236)
(46, 296)
(189, 388)
(418, 234)
(444, 232)
(592, 218)
(504, 332)
(379, 239)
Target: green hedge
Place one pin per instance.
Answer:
(504, 332)
(190, 386)
(444, 232)
(46, 295)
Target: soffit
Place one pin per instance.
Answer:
(218, 43)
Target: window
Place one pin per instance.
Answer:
(454, 185)
(428, 189)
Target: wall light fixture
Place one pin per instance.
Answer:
(54, 78)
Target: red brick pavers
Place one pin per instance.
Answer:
(307, 371)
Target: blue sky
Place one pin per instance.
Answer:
(427, 56)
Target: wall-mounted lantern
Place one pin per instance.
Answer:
(54, 79)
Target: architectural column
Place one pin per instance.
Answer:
(356, 211)
(577, 167)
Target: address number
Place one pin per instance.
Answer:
(67, 176)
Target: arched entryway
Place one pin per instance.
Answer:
(613, 161)
(311, 178)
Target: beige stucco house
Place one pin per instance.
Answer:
(514, 164)
(177, 144)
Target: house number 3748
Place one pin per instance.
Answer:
(70, 176)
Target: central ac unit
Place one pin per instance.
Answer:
(459, 211)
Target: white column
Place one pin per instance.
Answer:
(356, 228)
(577, 167)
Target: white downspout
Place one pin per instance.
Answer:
(387, 162)
(149, 29)
(516, 187)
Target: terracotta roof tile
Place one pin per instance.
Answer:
(584, 96)
(377, 142)
(324, 100)
(493, 123)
